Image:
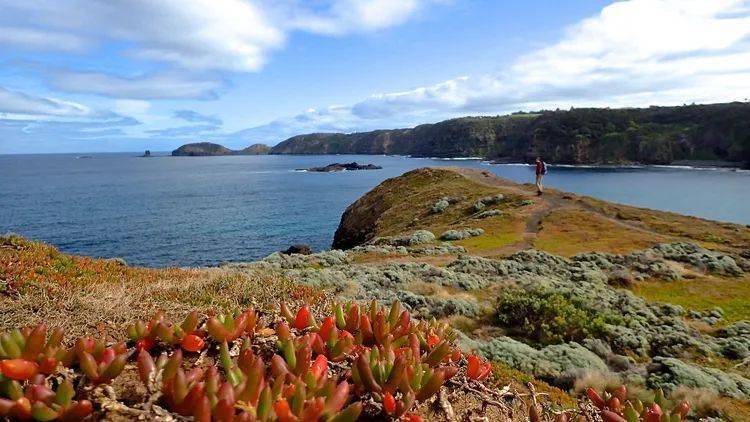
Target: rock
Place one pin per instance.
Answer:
(301, 249)
(461, 234)
(439, 206)
(343, 166)
(146, 154)
(420, 237)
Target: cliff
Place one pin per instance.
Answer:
(654, 135)
(204, 149)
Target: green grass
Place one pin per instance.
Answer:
(732, 295)
(499, 232)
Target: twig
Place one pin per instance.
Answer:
(446, 405)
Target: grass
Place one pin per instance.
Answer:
(732, 295)
(86, 295)
(711, 234)
(569, 231)
(499, 232)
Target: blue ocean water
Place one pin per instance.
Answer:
(185, 211)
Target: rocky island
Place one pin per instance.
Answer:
(572, 299)
(343, 166)
(208, 149)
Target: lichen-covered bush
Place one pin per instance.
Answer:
(669, 373)
(439, 206)
(420, 237)
(461, 234)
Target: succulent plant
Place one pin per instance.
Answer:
(229, 327)
(39, 402)
(26, 352)
(615, 406)
(316, 371)
(476, 368)
(186, 335)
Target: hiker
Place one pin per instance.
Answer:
(541, 170)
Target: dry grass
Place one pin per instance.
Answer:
(91, 295)
(709, 404)
(712, 234)
(568, 231)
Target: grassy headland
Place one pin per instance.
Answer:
(561, 291)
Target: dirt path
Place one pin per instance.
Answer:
(552, 200)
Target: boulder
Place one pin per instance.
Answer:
(301, 249)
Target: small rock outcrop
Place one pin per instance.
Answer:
(343, 166)
(300, 249)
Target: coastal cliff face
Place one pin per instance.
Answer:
(206, 149)
(655, 135)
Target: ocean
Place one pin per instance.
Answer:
(200, 211)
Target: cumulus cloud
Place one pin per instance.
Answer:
(633, 53)
(232, 35)
(195, 117)
(154, 86)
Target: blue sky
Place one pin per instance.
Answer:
(85, 76)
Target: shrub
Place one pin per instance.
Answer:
(551, 317)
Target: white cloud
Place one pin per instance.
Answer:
(14, 102)
(339, 17)
(132, 107)
(164, 85)
(36, 39)
(633, 53)
(195, 34)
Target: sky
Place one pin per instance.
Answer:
(130, 75)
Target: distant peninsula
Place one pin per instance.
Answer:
(714, 134)
(208, 149)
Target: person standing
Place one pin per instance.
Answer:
(541, 170)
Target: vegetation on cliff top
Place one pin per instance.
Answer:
(654, 135)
